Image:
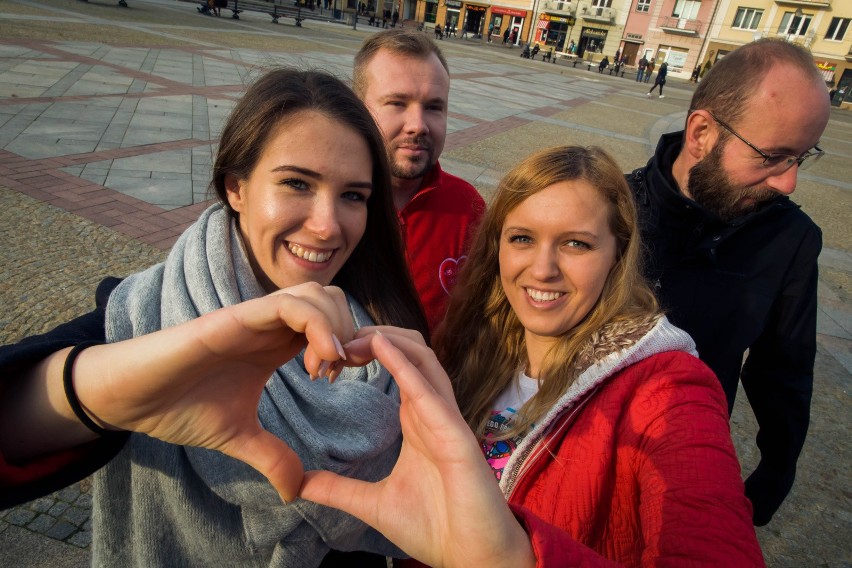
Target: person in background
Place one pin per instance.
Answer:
(732, 258)
(586, 432)
(404, 80)
(649, 70)
(660, 81)
(200, 356)
(643, 63)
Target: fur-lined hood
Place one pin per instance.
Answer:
(616, 346)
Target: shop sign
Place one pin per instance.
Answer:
(570, 20)
(827, 66)
(634, 36)
(507, 11)
(454, 4)
(594, 32)
(475, 8)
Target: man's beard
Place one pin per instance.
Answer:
(710, 187)
(406, 169)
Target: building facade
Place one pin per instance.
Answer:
(674, 31)
(822, 26)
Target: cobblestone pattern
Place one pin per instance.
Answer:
(65, 515)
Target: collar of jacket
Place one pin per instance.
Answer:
(657, 190)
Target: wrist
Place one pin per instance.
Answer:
(84, 414)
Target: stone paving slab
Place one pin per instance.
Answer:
(106, 147)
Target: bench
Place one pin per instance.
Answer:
(569, 56)
(276, 14)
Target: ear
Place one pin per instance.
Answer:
(701, 134)
(235, 193)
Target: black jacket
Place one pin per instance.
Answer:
(748, 285)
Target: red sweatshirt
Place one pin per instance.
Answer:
(437, 226)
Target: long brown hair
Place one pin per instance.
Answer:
(481, 342)
(376, 273)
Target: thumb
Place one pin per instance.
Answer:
(351, 496)
(273, 458)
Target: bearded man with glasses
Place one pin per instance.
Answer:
(732, 258)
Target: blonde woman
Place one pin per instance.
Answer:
(608, 437)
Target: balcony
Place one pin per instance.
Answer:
(566, 7)
(805, 3)
(595, 14)
(804, 40)
(681, 26)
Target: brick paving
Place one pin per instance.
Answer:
(106, 145)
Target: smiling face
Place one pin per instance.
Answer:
(408, 98)
(556, 251)
(303, 208)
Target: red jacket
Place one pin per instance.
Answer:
(618, 484)
(437, 225)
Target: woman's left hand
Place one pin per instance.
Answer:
(441, 503)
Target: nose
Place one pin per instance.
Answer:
(415, 120)
(544, 264)
(323, 219)
(784, 183)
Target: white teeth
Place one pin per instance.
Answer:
(309, 255)
(540, 296)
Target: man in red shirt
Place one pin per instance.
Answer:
(404, 80)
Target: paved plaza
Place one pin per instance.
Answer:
(109, 118)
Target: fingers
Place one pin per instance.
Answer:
(411, 347)
(273, 458)
(414, 367)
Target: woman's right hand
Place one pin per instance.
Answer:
(198, 383)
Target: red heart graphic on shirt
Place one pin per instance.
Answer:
(448, 271)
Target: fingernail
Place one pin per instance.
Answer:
(339, 347)
(335, 371)
(323, 368)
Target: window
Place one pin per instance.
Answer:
(686, 9)
(643, 5)
(747, 18)
(791, 24)
(601, 3)
(837, 29)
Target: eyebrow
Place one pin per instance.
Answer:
(585, 234)
(316, 175)
(408, 97)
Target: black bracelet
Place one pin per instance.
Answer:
(71, 395)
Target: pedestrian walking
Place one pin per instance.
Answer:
(506, 36)
(660, 80)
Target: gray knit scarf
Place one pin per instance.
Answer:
(159, 504)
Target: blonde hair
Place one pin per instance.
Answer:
(481, 342)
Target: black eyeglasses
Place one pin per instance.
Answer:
(777, 163)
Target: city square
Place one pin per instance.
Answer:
(109, 118)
